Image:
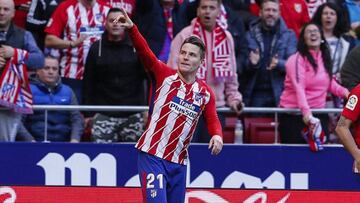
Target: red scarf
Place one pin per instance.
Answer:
(220, 65)
(15, 91)
(169, 22)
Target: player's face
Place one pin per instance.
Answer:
(7, 12)
(207, 12)
(189, 59)
(114, 29)
(50, 73)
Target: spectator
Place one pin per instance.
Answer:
(47, 89)
(233, 22)
(270, 43)
(313, 6)
(353, 9)
(350, 73)
(334, 25)
(73, 27)
(114, 76)
(308, 79)
(294, 12)
(218, 70)
(160, 21)
(37, 18)
(18, 47)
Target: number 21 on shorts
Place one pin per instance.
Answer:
(152, 180)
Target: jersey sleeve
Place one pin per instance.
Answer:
(57, 22)
(352, 108)
(211, 118)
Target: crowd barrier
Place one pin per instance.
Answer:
(247, 110)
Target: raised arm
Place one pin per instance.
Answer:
(145, 54)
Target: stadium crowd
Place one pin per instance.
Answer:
(259, 53)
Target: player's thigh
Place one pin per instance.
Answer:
(176, 184)
(152, 178)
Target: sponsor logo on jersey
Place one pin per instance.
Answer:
(351, 103)
(87, 30)
(184, 107)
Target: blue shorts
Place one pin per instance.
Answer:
(161, 181)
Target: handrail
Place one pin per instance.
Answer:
(262, 110)
(145, 108)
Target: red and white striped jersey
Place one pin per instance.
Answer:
(313, 5)
(69, 20)
(175, 108)
(128, 5)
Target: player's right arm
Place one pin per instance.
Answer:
(145, 54)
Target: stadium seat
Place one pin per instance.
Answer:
(228, 130)
(259, 130)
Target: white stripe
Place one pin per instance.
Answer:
(171, 120)
(157, 110)
(185, 132)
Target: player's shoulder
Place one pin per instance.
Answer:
(356, 90)
(204, 85)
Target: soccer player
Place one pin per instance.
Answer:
(349, 116)
(177, 99)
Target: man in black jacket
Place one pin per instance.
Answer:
(114, 76)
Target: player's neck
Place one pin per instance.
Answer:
(187, 78)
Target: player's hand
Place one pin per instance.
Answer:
(356, 166)
(124, 20)
(216, 144)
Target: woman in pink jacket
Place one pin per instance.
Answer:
(308, 80)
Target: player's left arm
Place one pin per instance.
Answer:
(213, 125)
(350, 114)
